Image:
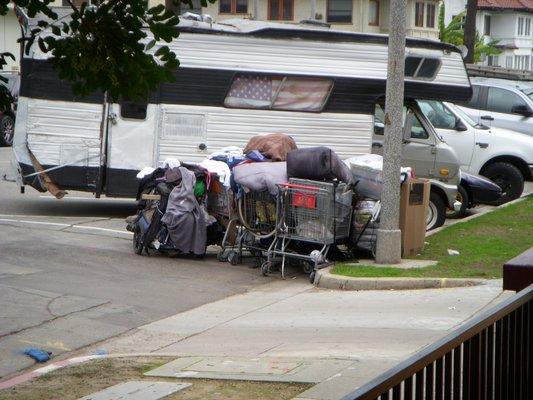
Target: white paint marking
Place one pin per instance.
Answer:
(86, 198)
(34, 222)
(96, 228)
(70, 226)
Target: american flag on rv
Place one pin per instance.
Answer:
(290, 93)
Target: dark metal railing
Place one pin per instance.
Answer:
(489, 357)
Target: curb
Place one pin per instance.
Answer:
(326, 280)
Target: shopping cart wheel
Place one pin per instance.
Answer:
(137, 241)
(221, 256)
(312, 277)
(265, 268)
(233, 258)
(308, 267)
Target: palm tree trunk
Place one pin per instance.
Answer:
(470, 30)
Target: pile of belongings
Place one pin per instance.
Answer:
(179, 219)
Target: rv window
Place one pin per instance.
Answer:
(132, 109)
(278, 93)
(422, 68)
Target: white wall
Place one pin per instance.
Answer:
(9, 33)
(452, 8)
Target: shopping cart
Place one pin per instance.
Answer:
(312, 212)
(221, 205)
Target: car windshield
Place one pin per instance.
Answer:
(439, 116)
(462, 114)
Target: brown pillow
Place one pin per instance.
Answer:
(274, 146)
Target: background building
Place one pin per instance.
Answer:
(508, 21)
(353, 15)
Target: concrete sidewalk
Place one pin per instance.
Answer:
(291, 322)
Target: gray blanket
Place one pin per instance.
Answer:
(184, 218)
(261, 176)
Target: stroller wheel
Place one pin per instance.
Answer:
(137, 241)
(233, 258)
(221, 256)
(265, 268)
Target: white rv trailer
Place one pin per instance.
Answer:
(236, 80)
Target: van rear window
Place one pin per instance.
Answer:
(133, 110)
(278, 93)
(421, 67)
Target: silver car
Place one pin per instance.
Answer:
(501, 104)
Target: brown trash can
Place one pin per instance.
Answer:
(414, 202)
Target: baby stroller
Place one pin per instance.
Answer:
(150, 233)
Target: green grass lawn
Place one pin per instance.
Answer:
(485, 244)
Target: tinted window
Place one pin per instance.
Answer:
(132, 109)
(419, 67)
(503, 101)
(475, 101)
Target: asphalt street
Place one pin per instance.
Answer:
(61, 291)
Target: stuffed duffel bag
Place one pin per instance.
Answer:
(317, 164)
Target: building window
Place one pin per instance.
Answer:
(527, 29)
(486, 25)
(340, 11)
(509, 62)
(520, 26)
(278, 93)
(419, 14)
(233, 7)
(430, 18)
(493, 61)
(373, 12)
(280, 10)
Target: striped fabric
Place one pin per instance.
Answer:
(290, 93)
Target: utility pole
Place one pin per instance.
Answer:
(388, 246)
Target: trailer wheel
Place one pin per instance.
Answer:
(508, 177)
(436, 212)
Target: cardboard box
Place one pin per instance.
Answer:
(414, 202)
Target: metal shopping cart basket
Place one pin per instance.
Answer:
(221, 205)
(257, 222)
(312, 212)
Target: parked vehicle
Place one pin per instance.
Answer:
(503, 156)
(429, 156)
(7, 118)
(236, 80)
(502, 104)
